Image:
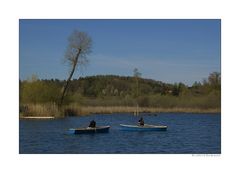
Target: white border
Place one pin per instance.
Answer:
(11, 11)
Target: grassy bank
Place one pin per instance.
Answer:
(40, 110)
(48, 110)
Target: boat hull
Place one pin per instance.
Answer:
(100, 129)
(142, 128)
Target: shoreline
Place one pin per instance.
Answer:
(110, 110)
(33, 117)
(76, 110)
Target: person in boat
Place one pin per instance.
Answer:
(92, 124)
(141, 122)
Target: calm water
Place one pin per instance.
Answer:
(187, 133)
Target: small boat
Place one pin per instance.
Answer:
(99, 129)
(146, 127)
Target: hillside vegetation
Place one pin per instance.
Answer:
(119, 91)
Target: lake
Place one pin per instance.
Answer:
(187, 133)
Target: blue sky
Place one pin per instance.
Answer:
(165, 50)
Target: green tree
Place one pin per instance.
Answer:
(39, 92)
(175, 90)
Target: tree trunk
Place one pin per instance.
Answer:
(69, 78)
(137, 111)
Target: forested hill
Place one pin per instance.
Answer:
(112, 85)
(113, 90)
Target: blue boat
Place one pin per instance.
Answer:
(99, 129)
(146, 127)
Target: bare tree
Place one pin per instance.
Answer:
(137, 75)
(214, 79)
(76, 55)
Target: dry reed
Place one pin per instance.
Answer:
(52, 110)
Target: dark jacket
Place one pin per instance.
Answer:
(141, 122)
(92, 124)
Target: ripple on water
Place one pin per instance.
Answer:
(187, 133)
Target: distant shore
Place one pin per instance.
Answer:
(51, 111)
(33, 117)
(122, 109)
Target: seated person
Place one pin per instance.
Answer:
(141, 122)
(92, 124)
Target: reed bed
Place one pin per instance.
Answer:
(52, 110)
(40, 110)
(122, 109)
